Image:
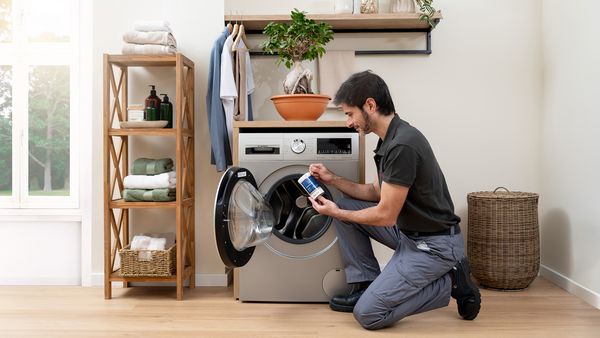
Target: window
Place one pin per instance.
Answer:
(38, 99)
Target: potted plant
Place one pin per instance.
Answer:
(302, 39)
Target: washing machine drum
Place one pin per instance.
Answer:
(243, 218)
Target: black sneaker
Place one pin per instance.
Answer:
(345, 303)
(465, 291)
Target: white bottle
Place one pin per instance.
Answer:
(356, 7)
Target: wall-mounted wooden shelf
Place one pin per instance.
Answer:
(351, 23)
(343, 22)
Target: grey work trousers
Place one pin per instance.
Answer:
(415, 279)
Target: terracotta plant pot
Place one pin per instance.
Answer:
(300, 107)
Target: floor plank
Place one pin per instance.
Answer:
(543, 310)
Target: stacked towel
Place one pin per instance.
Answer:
(154, 195)
(152, 180)
(160, 181)
(150, 37)
(169, 236)
(146, 244)
(149, 166)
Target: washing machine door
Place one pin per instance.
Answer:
(243, 218)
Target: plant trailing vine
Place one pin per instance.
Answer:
(427, 12)
(302, 39)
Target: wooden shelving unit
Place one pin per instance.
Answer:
(342, 22)
(116, 166)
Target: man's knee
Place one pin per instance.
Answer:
(371, 313)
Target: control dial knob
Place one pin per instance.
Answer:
(298, 146)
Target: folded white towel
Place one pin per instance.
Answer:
(130, 48)
(160, 181)
(152, 38)
(145, 245)
(168, 236)
(157, 244)
(140, 242)
(152, 26)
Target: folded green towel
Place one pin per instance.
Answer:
(154, 195)
(149, 166)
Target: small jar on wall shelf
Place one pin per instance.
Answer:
(369, 6)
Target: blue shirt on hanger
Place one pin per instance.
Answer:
(220, 147)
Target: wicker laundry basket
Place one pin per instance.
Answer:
(138, 263)
(503, 242)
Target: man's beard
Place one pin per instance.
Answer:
(367, 127)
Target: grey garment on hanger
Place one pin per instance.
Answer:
(220, 147)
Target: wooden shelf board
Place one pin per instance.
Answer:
(121, 204)
(142, 60)
(381, 21)
(116, 277)
(288, 124)
(149, 132)
(142, 131)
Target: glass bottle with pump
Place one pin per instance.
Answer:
(166, 111)
(152, 106)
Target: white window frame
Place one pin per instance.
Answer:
(20, 55)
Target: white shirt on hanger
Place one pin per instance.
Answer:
(228, 90)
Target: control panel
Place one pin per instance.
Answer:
(298, 146)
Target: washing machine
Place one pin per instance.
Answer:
(266, 226)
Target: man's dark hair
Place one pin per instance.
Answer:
(361, 86)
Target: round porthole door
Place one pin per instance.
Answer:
(243, 218)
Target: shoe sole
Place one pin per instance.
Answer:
(341, 308)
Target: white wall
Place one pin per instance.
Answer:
(569, 213)
(44, 252)
(477, 97)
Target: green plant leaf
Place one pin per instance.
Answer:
(302, 39)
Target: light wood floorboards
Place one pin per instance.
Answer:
(543, 310)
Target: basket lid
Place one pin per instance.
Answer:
(502, 194)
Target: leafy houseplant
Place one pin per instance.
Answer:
(427, 11)
(302, 39)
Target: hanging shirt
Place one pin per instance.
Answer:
(246, 81)
(236, 78)
(228, 90)
(220, 145)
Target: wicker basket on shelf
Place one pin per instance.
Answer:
(503, 242)
(147, 263)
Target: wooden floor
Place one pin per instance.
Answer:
(543, 310)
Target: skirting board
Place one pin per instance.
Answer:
(587, 295)
(216, 279)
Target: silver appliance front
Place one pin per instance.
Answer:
(300, 262)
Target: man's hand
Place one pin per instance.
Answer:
(324, 206)
(321, 173)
